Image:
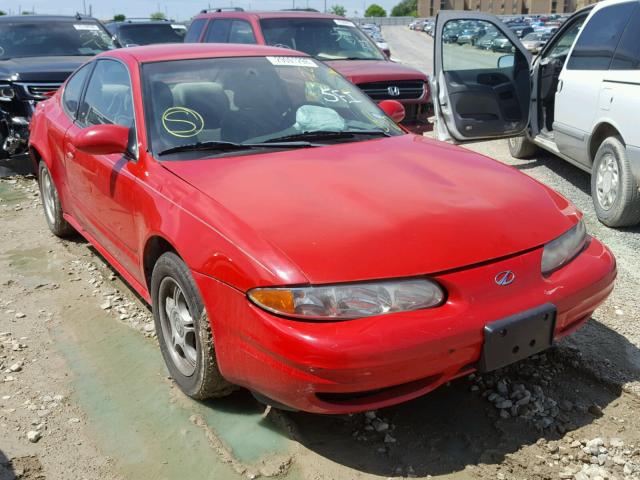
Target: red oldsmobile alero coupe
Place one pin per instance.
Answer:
(295, 241)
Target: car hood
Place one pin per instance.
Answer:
(40, 69)
(364, 71)
(382, 208)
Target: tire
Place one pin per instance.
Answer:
(521, 147)
(51, 204)
(614, 189)
(192, 364)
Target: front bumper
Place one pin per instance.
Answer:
(356, 365)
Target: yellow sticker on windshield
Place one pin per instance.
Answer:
(182, 122)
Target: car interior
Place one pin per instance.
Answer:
(489, 91)
(551, 64)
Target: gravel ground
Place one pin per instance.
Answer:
(83, 393)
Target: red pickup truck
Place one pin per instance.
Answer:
(330, 39)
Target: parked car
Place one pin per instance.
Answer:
(293, 240)
(145, 31)
(522, 31)
(500, 44)
(37, 53)
(535, 41)
(331, 39)
(469, 36)
(578, 99)
(486, 41)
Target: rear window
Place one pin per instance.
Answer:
(147, 34)
(600, 35)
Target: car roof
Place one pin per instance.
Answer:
(187, 51)
(45, 18)
(141, 21)
(269, 14)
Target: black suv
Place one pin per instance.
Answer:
(37, 54)
(145, 31)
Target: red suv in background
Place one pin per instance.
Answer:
(328, 38)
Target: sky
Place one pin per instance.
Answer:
(176, 9)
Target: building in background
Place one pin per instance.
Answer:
(430, 8)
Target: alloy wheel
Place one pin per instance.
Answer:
(178, 327)
(48, 196)
(607, 181)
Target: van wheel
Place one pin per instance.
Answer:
(614, 189)
(51, 204)
(521, 147)
(184, 331)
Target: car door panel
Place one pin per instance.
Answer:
(477, 96)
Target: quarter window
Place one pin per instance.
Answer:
(108, 98)
(193, 35)
(597, 42)
(627, 56)
(73, 90)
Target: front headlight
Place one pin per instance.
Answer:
(563, 249)
(348, 301)
(6, 92)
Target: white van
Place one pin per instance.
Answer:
(579, 98)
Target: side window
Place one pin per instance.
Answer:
(563, 44)
(627, 56)
(218, 31)
(597, 42)
(108, 98)
(195, 29)
(73, 90)
(458, 57)
(241, 32)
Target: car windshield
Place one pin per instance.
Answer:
(147, 34)
(55, 38)
(322, 38)
(532, 37)
(195, 105)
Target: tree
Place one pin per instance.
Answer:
(338, 10)
(25, 12)
(375, 10)
(158, 16)
(406, 8)
(2, 12)
(119, 17)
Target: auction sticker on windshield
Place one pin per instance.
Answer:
(83, 26)
(292, 62)
(344, 23)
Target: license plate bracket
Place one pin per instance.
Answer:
(517, 337)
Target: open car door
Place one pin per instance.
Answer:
(481, 84)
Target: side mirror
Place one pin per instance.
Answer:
(506, 61)
(394, 109)
(103, 140)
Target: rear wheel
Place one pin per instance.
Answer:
(51, 204)
(184, 331)
(614, 189)
(521, 147)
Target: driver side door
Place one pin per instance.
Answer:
(480, 91)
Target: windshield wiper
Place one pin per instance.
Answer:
(327, 135)
(230, 146)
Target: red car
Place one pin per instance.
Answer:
(293, 240)
(329, 38)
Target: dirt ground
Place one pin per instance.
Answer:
(84, 392)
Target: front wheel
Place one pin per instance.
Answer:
(184, 331)
(614, 189)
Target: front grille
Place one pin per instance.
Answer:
(39, 91)
(405, 89)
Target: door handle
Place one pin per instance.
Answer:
(559, 89)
